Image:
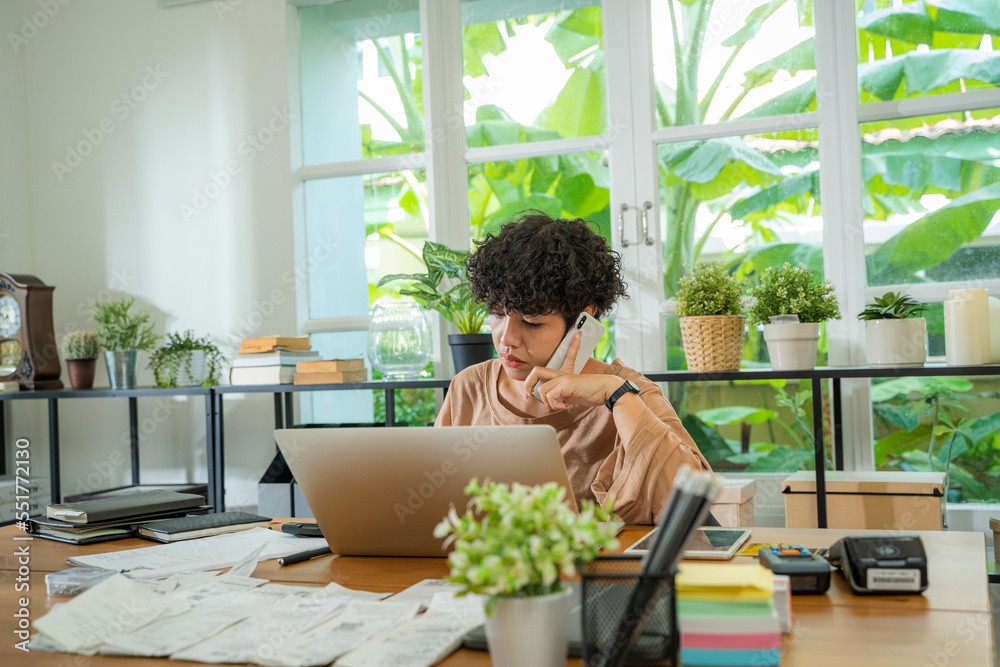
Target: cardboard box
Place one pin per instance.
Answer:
(876, 500)
(733, 507)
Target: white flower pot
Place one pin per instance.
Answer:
(530, 631)
(792, 345)
(897, 343)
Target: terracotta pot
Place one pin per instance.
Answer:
(81, 372)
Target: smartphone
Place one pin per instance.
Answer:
(301, 529)
(592, 331)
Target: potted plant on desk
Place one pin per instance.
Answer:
(186, 361)
(709, 303)
(897, 335)
(80, 349)
(791, 303)
(445, 289)
(511, 545)
(124, 333)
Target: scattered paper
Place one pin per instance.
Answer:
(249, 563)
(174, 633)
(424, 591)
(207, 553)
(420, 642)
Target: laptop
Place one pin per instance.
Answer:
(381, 492)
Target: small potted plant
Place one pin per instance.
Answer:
(511, 545)
(186, 361)
(124, 333)
(80, 349)
(791, 303)
(708, 301)
(896, 332)
(445, 289)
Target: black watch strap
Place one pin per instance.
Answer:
(627, 388)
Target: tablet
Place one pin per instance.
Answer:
(707, 542)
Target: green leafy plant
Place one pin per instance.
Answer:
(167, 361)
(514, 541)
(708, 289)
(121, 328)
(892, 306)
(453, 297)
(788, 290)
(80, 345)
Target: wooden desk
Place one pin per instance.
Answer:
(950, 624)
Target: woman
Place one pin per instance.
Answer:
(618, 433)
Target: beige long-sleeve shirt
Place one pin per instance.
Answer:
(638, 472)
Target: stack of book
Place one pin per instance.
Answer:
(727, 616)
(112, 518)
(270, 360)
(331, 371)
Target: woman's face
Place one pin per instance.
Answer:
(523, 342)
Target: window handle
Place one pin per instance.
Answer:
(621, 225)
(645, 222)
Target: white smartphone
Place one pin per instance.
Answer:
(592, 330)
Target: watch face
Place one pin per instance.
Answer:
(10, 316)
(10, 356)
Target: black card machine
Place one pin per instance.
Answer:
(882, 565)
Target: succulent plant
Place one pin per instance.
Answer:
(80, 345)
(892, 306)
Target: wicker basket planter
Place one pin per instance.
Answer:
(713, 342)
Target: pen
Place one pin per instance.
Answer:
(291, 559)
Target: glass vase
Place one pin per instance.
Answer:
(399, 340)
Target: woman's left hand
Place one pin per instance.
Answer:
(562, 388)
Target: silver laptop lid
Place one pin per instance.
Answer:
(381, 491)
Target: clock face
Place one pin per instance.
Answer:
(10, 316)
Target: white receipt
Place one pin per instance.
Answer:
(424, 591)
(336, 588)
(267, 633)
(173, 633)
(206, 553)
(358, 622)
(420, 642)
(101, 614)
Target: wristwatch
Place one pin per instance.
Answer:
(627, 388)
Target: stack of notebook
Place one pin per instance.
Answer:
(727, 616)
(270, 359)
(332, 371)
(113, 518)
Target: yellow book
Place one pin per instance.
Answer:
(723, 581)
(330, 365)
(339, 377)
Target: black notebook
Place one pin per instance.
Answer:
(123, 507)
(189, 527)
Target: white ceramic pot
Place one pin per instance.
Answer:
(197, 375)
(530, 631)
(897, 343)
(792, 345)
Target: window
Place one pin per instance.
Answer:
(859, 139)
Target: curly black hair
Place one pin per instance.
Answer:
(538, 265)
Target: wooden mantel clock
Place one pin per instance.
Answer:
(28, 352)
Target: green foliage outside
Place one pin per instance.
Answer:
(792, 290)
(765, 184)
(708, 289)
(121, 328)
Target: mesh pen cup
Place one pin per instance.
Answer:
(609, 608)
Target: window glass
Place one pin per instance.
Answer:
(916, 48)
(714, 62)
(532, 74)
(931, 198)
(362, 80)
(360, 229)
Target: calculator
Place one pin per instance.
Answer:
(808, 573)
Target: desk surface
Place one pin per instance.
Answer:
(951, 623)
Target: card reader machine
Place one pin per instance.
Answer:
(882, 565)
(807, 572)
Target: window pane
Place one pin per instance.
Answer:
(360, 229)
(945, 424)
(752, 59)
(751, 202)
(532, 75)
(931, 196)
(916, 48)
(362, 80)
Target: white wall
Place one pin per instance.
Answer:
(134, 113)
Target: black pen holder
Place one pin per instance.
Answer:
(609, 586)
